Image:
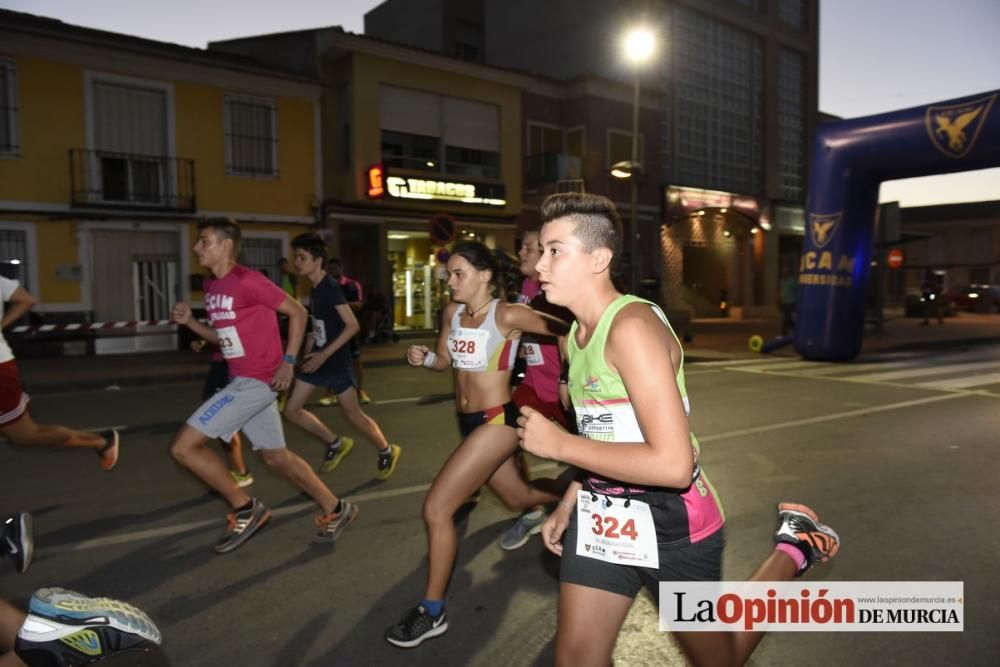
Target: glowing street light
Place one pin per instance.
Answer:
(639, 45)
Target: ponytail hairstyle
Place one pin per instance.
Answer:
(504, 274)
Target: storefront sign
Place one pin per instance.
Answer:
(679, 202)
(380, 185)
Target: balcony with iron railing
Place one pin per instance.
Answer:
(107, 179)
(546, 173)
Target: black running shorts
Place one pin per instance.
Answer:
(701, 561)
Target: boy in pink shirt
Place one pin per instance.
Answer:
(241, 306)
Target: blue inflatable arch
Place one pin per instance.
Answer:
(851, 158)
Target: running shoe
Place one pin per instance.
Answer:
(242, 525)
(528, 524)
(334, 455)
(363, 397)
(333, 524)
(387, 463)
(416, 626)
(328, 399)
(798, 525)
(109, 452)
(66, 628)
(243, 480)
(18, 541)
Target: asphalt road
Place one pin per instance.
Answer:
(898, 453)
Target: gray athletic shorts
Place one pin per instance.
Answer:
(246, 405)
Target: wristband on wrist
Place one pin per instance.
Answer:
(289, 359)
(430, 359)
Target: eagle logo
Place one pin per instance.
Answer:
(822, 227)
(954, 129)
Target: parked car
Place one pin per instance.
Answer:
(975, 298)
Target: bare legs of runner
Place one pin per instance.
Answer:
(296, 413)
(190, 449)
(485, 456)
(28, 433)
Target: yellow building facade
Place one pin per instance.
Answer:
(409, 137)
(112, 148)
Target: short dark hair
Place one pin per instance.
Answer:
(595, 219)
(312, 244)
(224, 228)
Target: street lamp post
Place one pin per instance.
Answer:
(639, 46)
(634, 189)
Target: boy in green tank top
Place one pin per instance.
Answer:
(651, 512)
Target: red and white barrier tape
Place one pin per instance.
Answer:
(78, 326)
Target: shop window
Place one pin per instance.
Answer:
(14, 256)
(411, 151)
(472, 162)
(620, 146)
(9, 144)
(262, 254)
(543, 139)
(792, 12)
(427, 132)
(251, 127)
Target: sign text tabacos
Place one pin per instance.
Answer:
(380, 185)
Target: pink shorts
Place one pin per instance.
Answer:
(13, 400)
(524, 394)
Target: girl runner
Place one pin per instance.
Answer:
(479, 340)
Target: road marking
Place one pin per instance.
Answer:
(964, 382)
(927, 370)
(935, 386)
(825, 418)
(166, 531)
(739, 362)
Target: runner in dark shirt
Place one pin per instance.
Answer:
(328, 364)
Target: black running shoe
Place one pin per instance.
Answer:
(64, 628)
(387, 462)
(18, 541)
(242, 525)
(416, 626)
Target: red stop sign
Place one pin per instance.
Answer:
(895, 258)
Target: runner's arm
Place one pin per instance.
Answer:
(518, 317)
(642, 351)
(21, 302)
(296, 314)
(563, 388)
(181, 314)
(442, 357)
(351, 328)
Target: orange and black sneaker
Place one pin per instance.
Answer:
(109, 452)
(799, 526)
